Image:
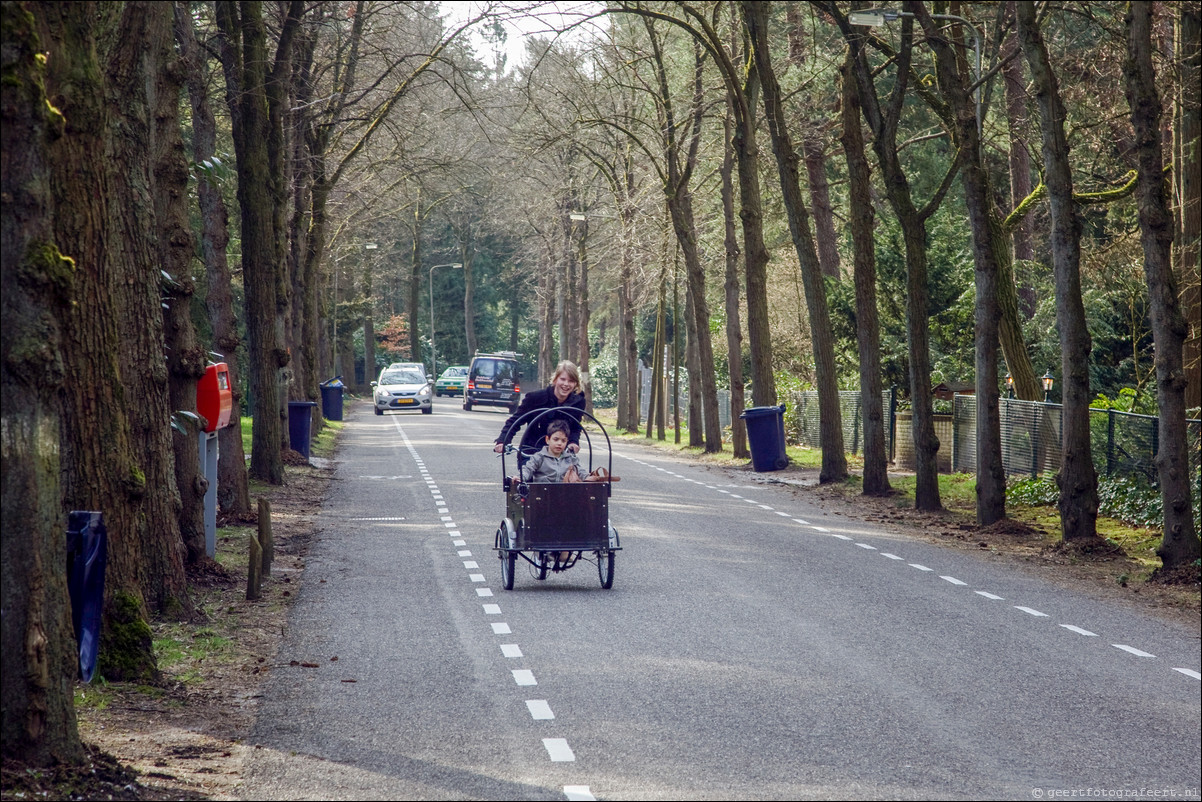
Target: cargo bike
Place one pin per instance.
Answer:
(554, 526)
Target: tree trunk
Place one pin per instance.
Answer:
(233, 494)
(834, 459)
(413, 306)
(1077, 479)
(987, 241)
(244, 58)
(1019, 157)
(868, 334)
(883, 123)
(734, 332)
(820, 196)
(135, 76)
(628, 347)
(38, 648)
(1180, 546)
(186, 357)
(99, 468)
(1187, 180)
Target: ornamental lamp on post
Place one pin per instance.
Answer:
(433, 353)
(1048, 380)
(1009, 386)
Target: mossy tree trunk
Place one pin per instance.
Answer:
(100, 467)
(40, 658)
(136, 82)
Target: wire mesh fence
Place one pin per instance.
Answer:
(1121, 443)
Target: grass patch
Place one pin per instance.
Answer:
(324, 443)
(96, 695)
(182, 651)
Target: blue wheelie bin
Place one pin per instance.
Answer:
(331, 398)
(766, 436)
(299, 425)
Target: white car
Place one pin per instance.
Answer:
(403, 388)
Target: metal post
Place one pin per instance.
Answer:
(208, 466)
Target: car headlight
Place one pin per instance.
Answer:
(424, 392)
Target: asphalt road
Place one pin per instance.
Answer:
(752, 647)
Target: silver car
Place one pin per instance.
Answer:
(403, 388)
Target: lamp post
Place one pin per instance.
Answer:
(876, 17)
(433, 353)
(1048, 380)
(1009, 386)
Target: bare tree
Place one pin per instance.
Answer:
(1180, 546)
(834, 460)
(868, 336)
(883, 120)
(1077, 479)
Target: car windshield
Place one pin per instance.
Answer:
(402, 377)
(450, 373)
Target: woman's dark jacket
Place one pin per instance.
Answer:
(535, 433)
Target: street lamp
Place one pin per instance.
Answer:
(433, 353)
(876, 17)
(1048, 380)
(1009, 386)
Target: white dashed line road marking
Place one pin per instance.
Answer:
(470, 564)
(1029, 611)
(1132, 650)
(483, 591)
(1080, 631)
(559, 750)
(511, 650)
(539, 709)
(476, 577)
(890, 556)
(953, 580)
(523, 676)
(501, 629)
(578, 792)
(989, 595)
(1189, 672)
(465, 553)
(920, 567)
(866, 546)
(492, 609)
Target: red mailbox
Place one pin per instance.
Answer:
(214, 399)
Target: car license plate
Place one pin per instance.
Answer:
(405, 401)
(484, 385)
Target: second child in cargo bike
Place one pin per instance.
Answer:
(553, 463)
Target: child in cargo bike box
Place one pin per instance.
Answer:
(553, 462)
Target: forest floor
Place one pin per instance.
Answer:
(188, 737)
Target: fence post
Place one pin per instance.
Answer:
(1110, 441)
(892, 421)
(855, 432)
(1035, 441)
(1155, 424)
